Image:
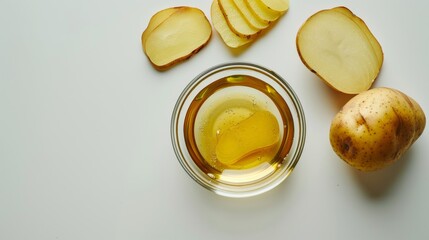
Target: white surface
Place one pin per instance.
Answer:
(85, 150)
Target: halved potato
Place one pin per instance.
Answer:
(236, 20)
(178, 37)
(157, 19)
(340, 49)
(231, 39)
(263, 12)
(249, 15)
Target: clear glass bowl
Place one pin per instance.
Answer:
(266, 176)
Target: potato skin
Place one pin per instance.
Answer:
(375, 128)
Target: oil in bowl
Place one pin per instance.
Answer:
(238, 129)
(234, 129)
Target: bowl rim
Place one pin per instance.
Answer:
(297, 108)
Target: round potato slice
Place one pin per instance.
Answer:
(249, 15)
(178, 37)
(263, 12)
(231, 39)
(236, 21)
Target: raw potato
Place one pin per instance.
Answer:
(239, 22)
(253, 20)
(375, 44)
(157, 19)
(276, 5)
(337, 46)
(376, 127)
(231, 39)
(179, 36)
(263, 12)
(236, 21)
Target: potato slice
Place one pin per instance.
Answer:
(236, 20)
(249, 15)
(277, 5)
(337, 48)
(157, 19)
(263, 12)
(178, 37)
(231, 39)
(239, 22)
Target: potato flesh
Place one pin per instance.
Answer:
(236, 20)
(262, 11)
(250, 17)
(178, 37)
(334, 46)
(376, 127)
(373, 41)
(252, 135)
(238, 23)
(277, 5)
(231, 39)
(155, 20)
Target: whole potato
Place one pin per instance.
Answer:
(376, 127)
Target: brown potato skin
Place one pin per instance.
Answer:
(375, 128)
(166, 67)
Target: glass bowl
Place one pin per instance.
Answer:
(211, 107)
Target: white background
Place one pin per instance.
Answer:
(85, 150)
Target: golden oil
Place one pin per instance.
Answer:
(224, 106)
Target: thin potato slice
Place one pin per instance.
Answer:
(249, 15)
(231, 39)
(277, 5)
(236, 20)
(178, 37)
(157, 19)
(264, 13)
(335, 47)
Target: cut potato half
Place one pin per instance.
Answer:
(277, 5)
(178, 37)
(231, 39)
(157, 19)
(249, 15)
(375, 44)
(340, 49)
(263, 12)
(236, 21)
